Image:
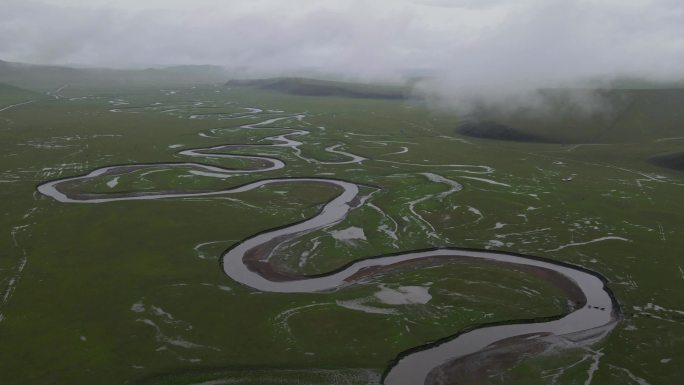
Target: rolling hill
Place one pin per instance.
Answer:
(10, 94)
(46, 77)
(315, 87)
(615, 115)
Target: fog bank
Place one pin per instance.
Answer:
(487, 48)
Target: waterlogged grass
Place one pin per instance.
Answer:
(132, 292)
(273, 376)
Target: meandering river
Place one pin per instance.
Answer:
(594, 316)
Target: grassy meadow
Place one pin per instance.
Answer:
(133, 293)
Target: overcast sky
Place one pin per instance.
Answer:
(502, 41)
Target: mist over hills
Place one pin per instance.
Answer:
(582, 116)
(47, 77)
(618, 109)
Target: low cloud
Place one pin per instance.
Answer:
(471, 49)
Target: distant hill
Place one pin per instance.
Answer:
(47, 77)
(635, 83)
(615, 115)
(10, 94)
(497, 131)
(315, 87)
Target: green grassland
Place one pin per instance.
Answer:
(132, 292)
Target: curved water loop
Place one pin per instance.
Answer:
(596, 311)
